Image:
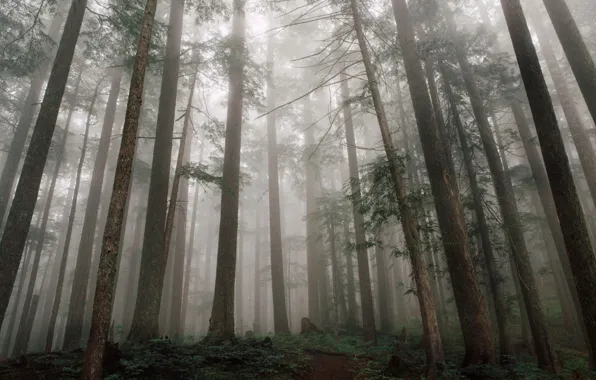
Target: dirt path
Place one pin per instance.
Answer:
(332, 366)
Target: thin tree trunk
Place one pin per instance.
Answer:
(17, 145)
(312, 252)
(23, 333)
(257, 328)
(102, 304)
(21, 212)
(280, 317)
(17, 299)
(221, 325)
(73, 209)
(432, 336)
(135, 263)
(78, 295)
(179, 194)
(496, 286)
(575, 49)
(239, 300)
(145, 323)
(366, 298)
(585, 151)
(471, 306)
(189, 259)
(544, 350)
(575, 233)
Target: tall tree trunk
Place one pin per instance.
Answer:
(239, 283)
(544, 350)
(280, 317)
(366, 299)
(382, 287)
(145, 324)
(135, 263)
(575, 233)
(21, 211)
(578, 55)
(496, 287)
(208, 270)
(432, 336)
(73, 209)
(256, 325)
(23, 333)
(221, 325)
(179, 210)
(471, 306)
(10, 331)
(78, 295)
(312, 248)
(102, 304)
(17, 145)
(581, 139)
(189, 259)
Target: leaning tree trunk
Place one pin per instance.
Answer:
(179, 194)
(145, 324)
(575, 231)
(17, 145)
(102, 304)
(471, 306)
(78, 295)
(496, 286)
(221, 326)
(21, 212)
(73, 209)
(366, 299)
(432, 336)
(575, 49)
(513, 228)
(581, 139)
(23, 333)
(280, 317)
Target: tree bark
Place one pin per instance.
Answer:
(145, 324)
(189, 259)
(257, 290)
(575, 233)
(179, 200)
(17, 145)
(544, 350)
(576, 51)
(432, 336)
(312, 251)
(581, 139)
(280, 317)
(471, 306)
(366, 299)
(78, 295)
(496, 286)
(23, 333)
(21, 212)
(102, 304)
(221, 325)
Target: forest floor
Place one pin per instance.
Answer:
(281, 357)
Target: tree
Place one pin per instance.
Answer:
(21, 211)
(575, 49)
(146, 315)
(280, 318)
(17, 145)
(78, 295)
(221, 326)
(571, 218)
(102, 304)
(432, 336)
(71, 218)
(471, 306)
